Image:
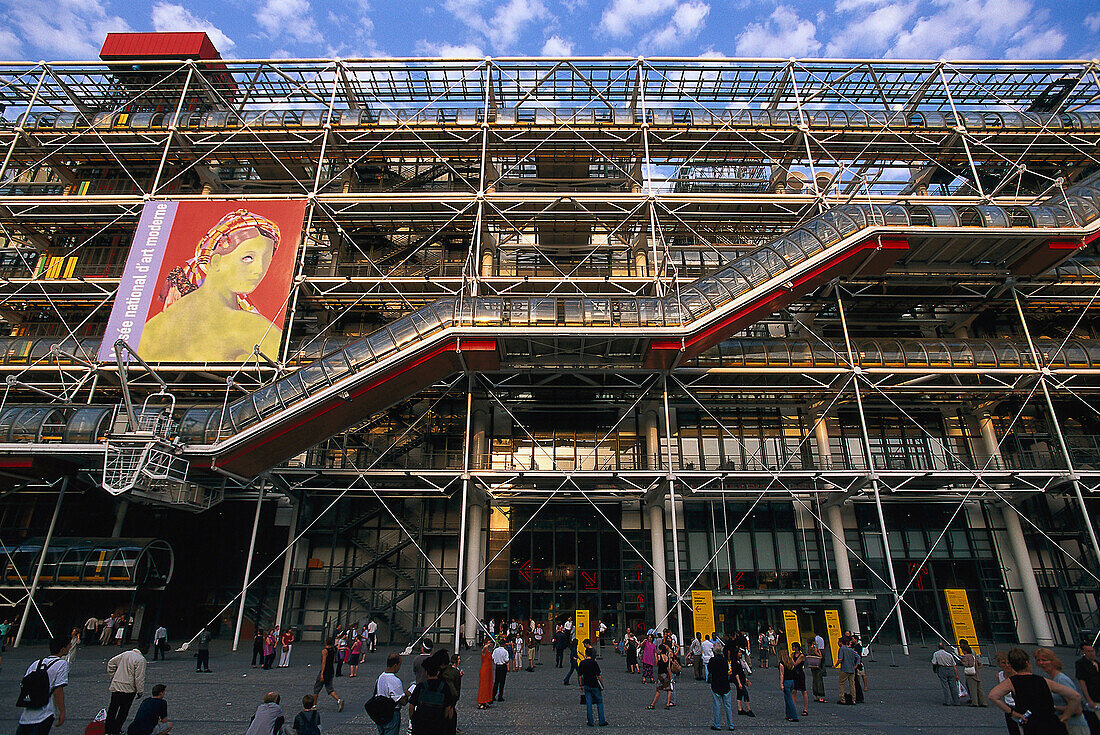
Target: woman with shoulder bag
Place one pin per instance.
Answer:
(817, 671)
(664, 678)
(972, 667)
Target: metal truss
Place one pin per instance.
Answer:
(582, 177)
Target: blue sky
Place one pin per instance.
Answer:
(953, 29)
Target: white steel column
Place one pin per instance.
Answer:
(288, 562)
(835, 520)
(660, 563)
(887, 556)
(474, 558)
(38, 570)
(248, 566)
(1074, 480)
(672, 511)
(475, 525)
(1021, 556)
(656, 510)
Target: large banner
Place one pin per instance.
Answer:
(702, 611)
(832, 625)
(584, 629)
(207, 281)
(790, 627)
(962, 621)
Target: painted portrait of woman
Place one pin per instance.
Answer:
(207, 315)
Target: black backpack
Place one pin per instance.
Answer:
(380, 708)
(311, 724)
(34, 689)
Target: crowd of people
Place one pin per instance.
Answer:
(1047, 701)
(1050, 702)
(265, 645)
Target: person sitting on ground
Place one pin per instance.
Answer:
(269, 718)
(152, 715)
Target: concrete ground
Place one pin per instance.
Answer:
(903, 697)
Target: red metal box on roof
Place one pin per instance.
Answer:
(175, 46)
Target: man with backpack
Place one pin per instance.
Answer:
(387, 715)
(432, 705)
(42, 691)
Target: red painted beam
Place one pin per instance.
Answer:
(335, 414)
(1046, 256)
(880, 255)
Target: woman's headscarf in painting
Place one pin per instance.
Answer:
(224, 237)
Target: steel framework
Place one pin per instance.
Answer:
(552, 189)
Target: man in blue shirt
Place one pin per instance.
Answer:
(152, 715)
(849, 661)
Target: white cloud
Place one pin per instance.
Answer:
(502, 29)
(557, 46)
(687, 20)
(977, 28)
(169, 17)
(63, 29)
(783, 34)
(622, 16)
(291, 19)
(449, 50)
(1092, 22)
(10, 45)
(669, 22)
(869, 31)
(1030, 44)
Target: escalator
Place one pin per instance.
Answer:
(323, 398)
(457, 334)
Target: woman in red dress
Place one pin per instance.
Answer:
(485, 676)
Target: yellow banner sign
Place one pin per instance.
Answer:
(790, 625)
(962, 621)
(702, 611)
(584, 629)
(832, 625)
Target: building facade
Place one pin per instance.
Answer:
(565, 334)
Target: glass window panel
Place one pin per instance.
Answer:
(742, 551)
(788, 553)
(765, 551)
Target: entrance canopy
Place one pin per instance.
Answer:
(89, 563)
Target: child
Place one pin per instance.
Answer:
(308, 721)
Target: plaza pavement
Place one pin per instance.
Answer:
(902, 698)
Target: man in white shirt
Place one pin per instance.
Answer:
(390, 686)
(39, 720)
(568, 625)
(160, 642)
(706, 653)
(944, 663)
(538, 643)
(600, 635)
(500, 666)
(127, 672)
(372, 635)
(91, 625)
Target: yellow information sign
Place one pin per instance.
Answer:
(790, 625)
(832, 625)
(584, 628)
(702, 611)
(962, 621)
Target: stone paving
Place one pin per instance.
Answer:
(903, 697)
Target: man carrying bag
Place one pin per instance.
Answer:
(384, 708)
(42, 691)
